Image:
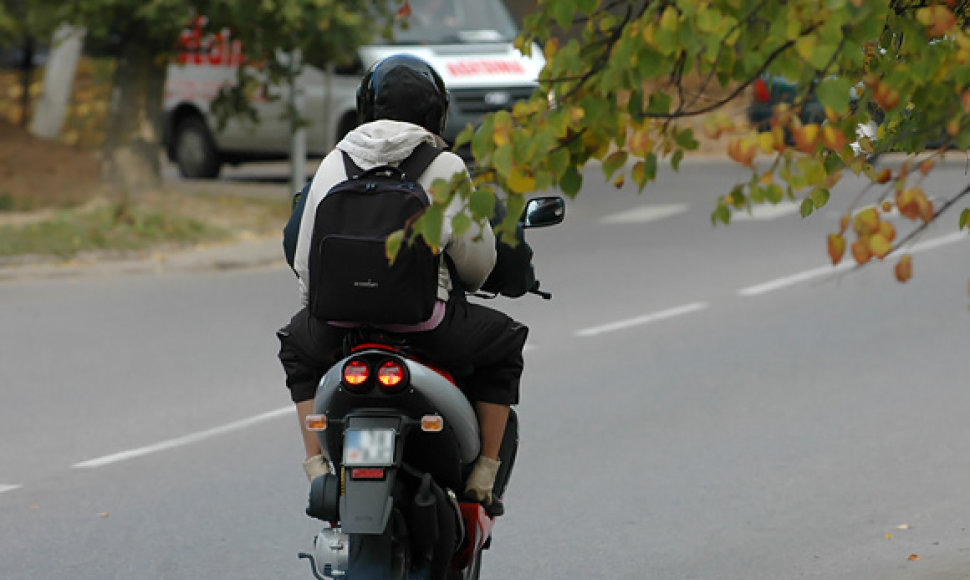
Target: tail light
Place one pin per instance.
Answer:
(391, 375)
(761, 92)
(356, 373)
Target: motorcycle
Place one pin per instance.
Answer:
(402, 437)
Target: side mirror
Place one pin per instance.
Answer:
(543, 211)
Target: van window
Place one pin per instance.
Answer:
(455, 21)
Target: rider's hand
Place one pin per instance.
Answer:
(315, 466)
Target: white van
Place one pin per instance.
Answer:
(469, 42)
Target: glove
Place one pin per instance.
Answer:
(316, 466)
(482, 480)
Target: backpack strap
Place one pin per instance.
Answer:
(419, 160)
(352, 169)
(412, 166)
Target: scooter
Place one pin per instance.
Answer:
(403, 437)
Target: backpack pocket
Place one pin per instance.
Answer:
(355, 282)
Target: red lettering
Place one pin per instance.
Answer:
(487, 67)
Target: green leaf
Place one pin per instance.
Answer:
(650, 166)
(558, 162)
(460, 224)
(675, 160)
(807, 207)
(503, 159)
(965, 219)
(819, 197)
(571, 182)
(482, 203)
(465, 136)
(393, 244)
(659, 103)
(429, 225)
(563, 11)
(721, 214)
(614, 162)
(834, 94)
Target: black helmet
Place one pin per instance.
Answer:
(403, 88)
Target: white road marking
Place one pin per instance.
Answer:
(644, 214)
(786, 281)
(765, 212)
(185, 439)
(640, 320)
(6, 487)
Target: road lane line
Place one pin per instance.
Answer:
(184, 440)
(785, 281)
(644, 214)
(640, 320)
(6, 487)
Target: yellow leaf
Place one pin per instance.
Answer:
(805, 47)
(519, 182)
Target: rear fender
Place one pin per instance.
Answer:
(366, 503)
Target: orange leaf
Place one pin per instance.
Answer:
(806, 137)
(405, 10)
(833, 137)
(884, 176)
(861, 251)
(904, 268)
(926, 166)
(887, 230)
(913, 557)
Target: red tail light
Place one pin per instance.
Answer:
(390, 374)
(356, 372)
(761, 91)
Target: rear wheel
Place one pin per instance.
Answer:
(471, 572)
(194, 151)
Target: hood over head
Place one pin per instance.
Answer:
(383, 142)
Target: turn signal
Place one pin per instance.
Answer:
(390, 374)
(432, 423)
(316, 422)
(356, 372)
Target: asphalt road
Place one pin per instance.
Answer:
(699, 402)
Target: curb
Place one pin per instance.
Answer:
(264, 251)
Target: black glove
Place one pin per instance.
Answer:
(513, 274)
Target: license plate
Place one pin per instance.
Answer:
(372, 447)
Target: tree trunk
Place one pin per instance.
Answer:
(132, 155)
(51, 107)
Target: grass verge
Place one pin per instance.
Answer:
(115, 228)
(158, 222)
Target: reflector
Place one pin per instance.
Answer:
(432, 423)
(316, 422)
(367, 473)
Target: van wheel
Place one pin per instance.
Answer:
(194, 152)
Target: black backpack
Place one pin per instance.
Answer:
(351, 279)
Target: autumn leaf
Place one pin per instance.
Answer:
(836, 247)
(879, 246)
(861, 251)
(405, 10)
(866, 221)
(904, 268)
(806, 138)
(913, 557)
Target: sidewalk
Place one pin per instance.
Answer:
(263, 251)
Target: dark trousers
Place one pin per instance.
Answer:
(470, 336)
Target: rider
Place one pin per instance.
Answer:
(401, 103)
